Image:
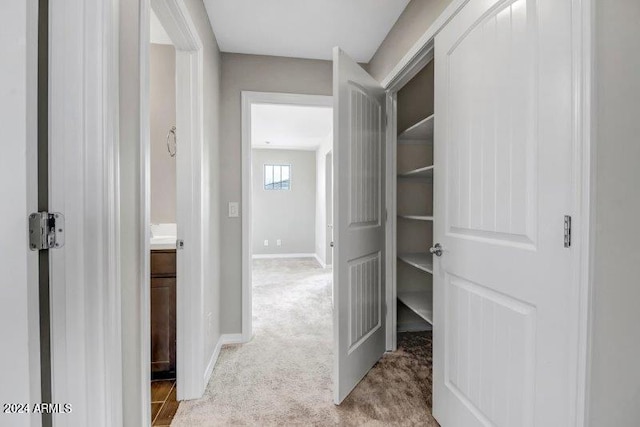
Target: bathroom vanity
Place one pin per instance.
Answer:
(163, 313)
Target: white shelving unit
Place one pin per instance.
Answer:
(414, 178)
(419, 301)
(421, 261)
(420, 133)
(423, 173)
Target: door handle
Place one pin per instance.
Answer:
(436, 249)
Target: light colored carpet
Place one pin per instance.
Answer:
(283, 376)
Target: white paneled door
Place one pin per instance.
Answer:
(505, 302)
(358, 277)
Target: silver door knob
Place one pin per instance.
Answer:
(331, 244)
(436, 249)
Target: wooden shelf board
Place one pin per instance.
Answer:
(409, 321)
(425, 172)
(421, 261)
(419, 301)
(417, 217)
(421, 132)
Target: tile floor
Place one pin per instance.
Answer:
(163, 402)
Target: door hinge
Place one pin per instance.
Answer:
(46, 230)
(567, 231)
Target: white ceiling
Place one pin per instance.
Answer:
(290, 126)
(303, 28)
(158, 34)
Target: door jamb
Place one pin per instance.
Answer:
(248, 99)
(584, 145)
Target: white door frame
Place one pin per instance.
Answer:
(249, 99)
(583, 218)
(86, 356)
(190, 363)
(328, 212)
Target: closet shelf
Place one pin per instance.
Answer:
(417, 217)
(421, 261)
(419, 301)
(420, 133)
(425, 172)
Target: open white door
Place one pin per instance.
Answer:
(358, 275)
(506, 305)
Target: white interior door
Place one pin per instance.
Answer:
(505, 328)
(19, 308)
(358, 275)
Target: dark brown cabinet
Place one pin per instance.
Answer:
(163, 314)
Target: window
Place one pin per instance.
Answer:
(277, 177)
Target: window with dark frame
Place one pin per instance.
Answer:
(277, 177)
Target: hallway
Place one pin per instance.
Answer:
(283, 376)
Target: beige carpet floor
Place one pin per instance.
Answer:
(283, 376)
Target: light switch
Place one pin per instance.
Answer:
(233, 209)
(278, 242)
(266, 243)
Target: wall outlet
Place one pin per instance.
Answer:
(279, 242)
(234, 209)
(266, 243)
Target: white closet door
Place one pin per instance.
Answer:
(505, 327)
(358, 277)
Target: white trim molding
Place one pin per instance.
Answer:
(86, 345)
(276, 256)
(248, 99)
(584, 131)
(225, 339)
(322, 263)
(401, 73)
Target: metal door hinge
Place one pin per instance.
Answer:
(567, 231)
(46, 230)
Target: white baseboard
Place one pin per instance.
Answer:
(232, 339)
(270, 256)
(222, 340)
(212, 363)
(322, 264)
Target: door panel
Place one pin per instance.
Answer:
(505, 315)
(359, 332)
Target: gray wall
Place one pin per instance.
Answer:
(288, 215)
(615, 372)
(131, 263)
(253, 73)
(162, 109)
(410, 26)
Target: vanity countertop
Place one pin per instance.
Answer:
(163, 242)
(163, 236)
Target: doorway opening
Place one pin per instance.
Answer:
(174, 210)
(163, 181)
(286, 139)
